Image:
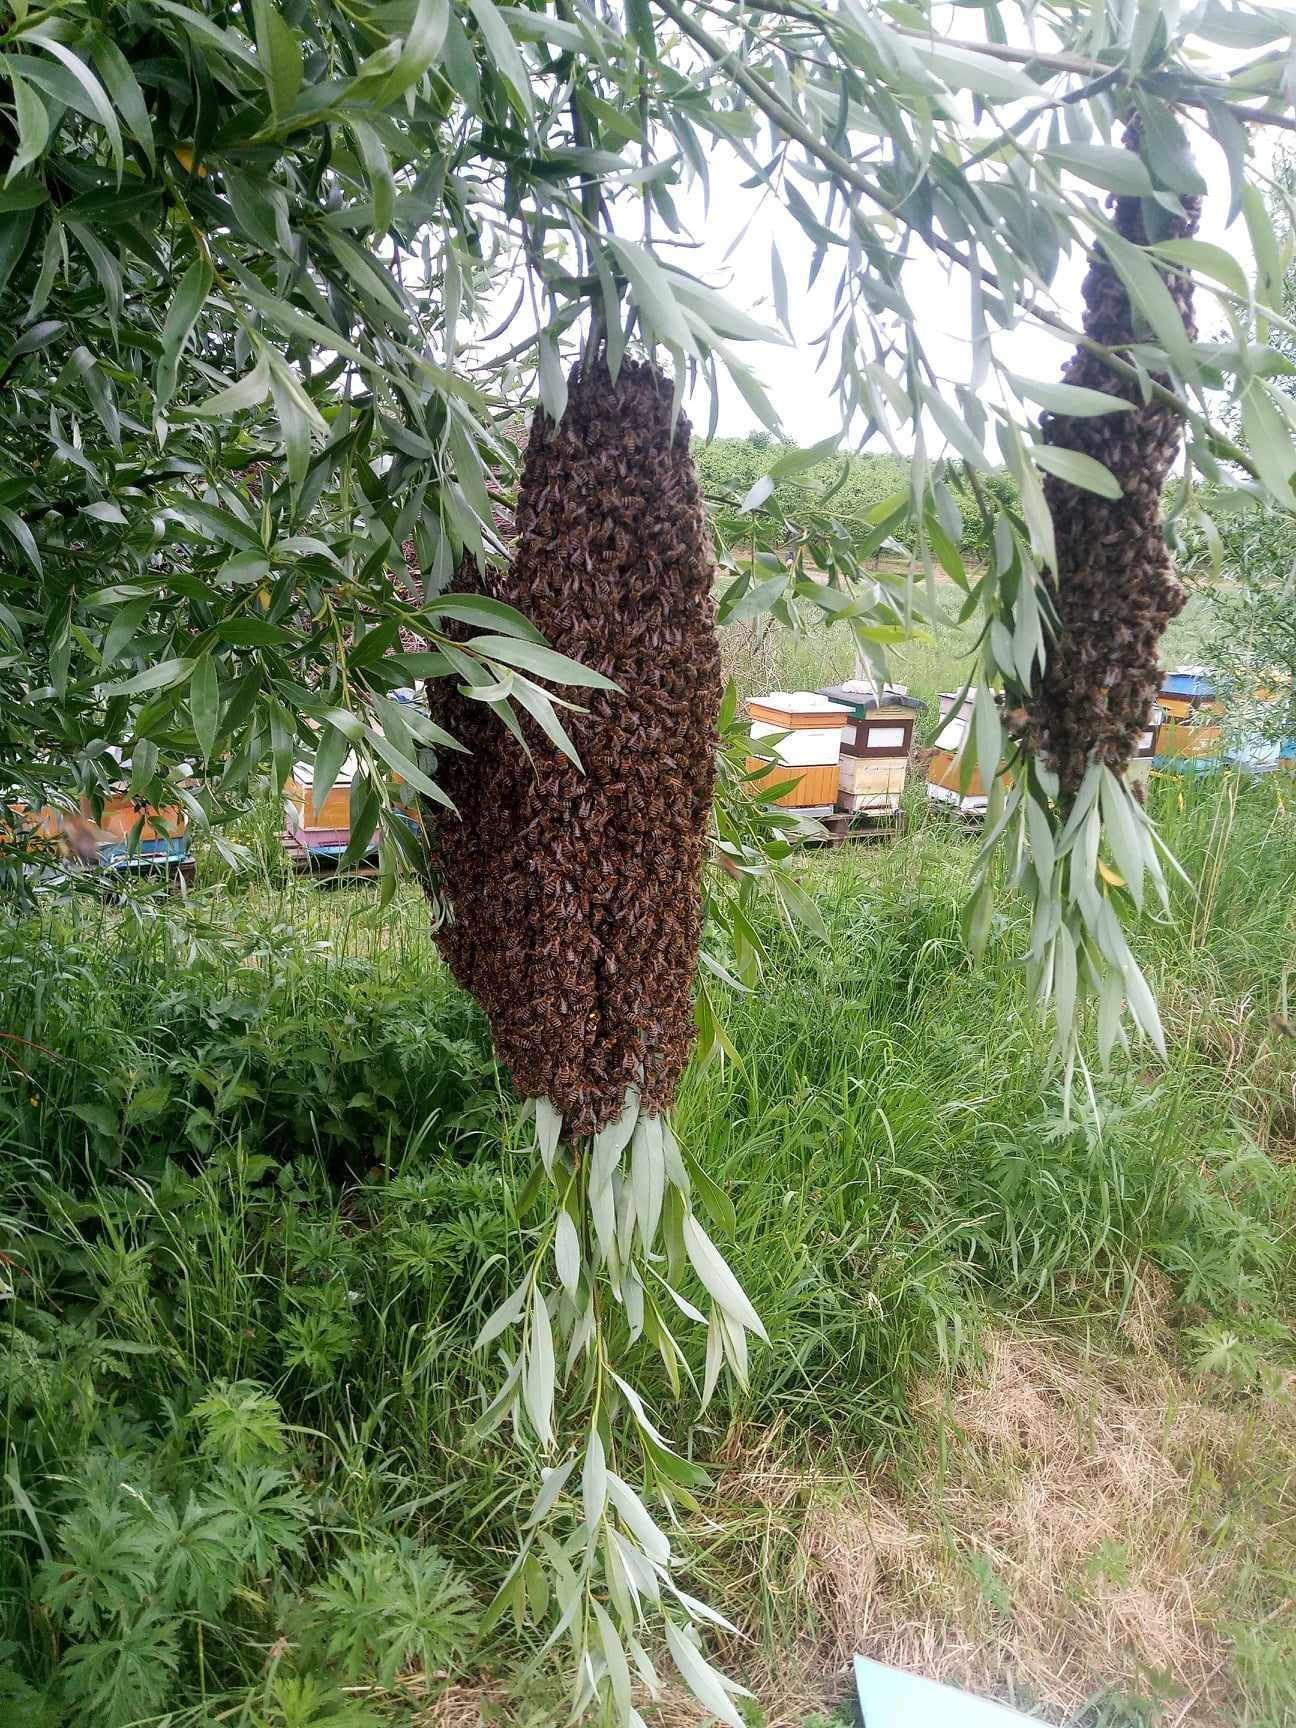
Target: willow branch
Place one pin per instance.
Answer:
(794, 127)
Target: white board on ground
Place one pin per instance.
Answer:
(889, 1698)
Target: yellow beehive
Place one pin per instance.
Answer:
(805, 730)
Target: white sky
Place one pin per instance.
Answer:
(802, 397)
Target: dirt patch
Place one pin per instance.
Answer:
(1071, 1528)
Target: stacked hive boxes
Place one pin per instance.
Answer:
(1140, 767)
(876, 744)
(804, 731)
(320, 826)
(1191, 730)
(945, 767)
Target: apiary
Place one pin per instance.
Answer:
(805, 730)
(1191, 728)
(944, 767)
(877, 741)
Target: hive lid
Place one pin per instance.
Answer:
(815, 708)
(1188, 681)
(304, 772)
(889, 1698)
(797, 701)
(950, 704)
(858, 693)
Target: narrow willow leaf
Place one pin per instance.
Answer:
(204, 704)
(1269, 439)
(507, 1314)
(124, 88)
(248, 392)
(594, 1487)
(23, 535)
(964, 69)
(544, 662)
(539, 1377)
(1073, 399)
(610, 1142)
(717, 1279)
(33, 127)
(700, 1677)
(1207, 260)
(548, 1128)
(1040, 831)
(648, 1177)
(160, 677)
(552, 1483)
(651, 289)
(637, 1519)
(94, 90)
(1078, 469)
(1107, 165)
(1064, 983)
(279, 51)
(1150, 297)
(553, 380)
(182, 314)
(1143, 1007)
(503, 50)
(987, 734)
(567, 1255)
(1124, 834)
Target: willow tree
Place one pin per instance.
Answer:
(272, 279)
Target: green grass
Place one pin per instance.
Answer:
(257, 1205)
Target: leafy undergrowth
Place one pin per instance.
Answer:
(1025, 1421)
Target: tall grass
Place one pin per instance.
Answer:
(258, 1201)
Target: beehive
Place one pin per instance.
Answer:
(1191, 728)
(1140, 767)
(162, 836)
(944, 778)
(806, 729)
(319, 825)
(877, 740)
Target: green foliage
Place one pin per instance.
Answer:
(251, 267)
(188, 1487)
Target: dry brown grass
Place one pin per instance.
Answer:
(1058, 1537)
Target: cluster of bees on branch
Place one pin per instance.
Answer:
(574, 892)
(1115, 587)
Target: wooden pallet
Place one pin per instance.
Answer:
(310, 861)
(844, 827)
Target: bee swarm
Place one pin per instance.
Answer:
(1115, 587)
(575, 896)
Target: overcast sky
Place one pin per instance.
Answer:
(803, 397)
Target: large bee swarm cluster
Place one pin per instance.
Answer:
(1115, 586)
(575, 897)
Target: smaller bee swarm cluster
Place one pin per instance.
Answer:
(1114, 587)
(575, 892)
